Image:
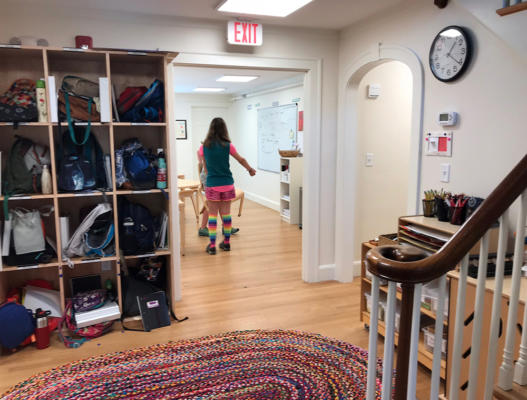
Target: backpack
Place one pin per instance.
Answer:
(80, 162)
(16, 324)
(150, 107)
(139, 165)
(19, 104)
(129, 97)
(24, 167)
(136, 228)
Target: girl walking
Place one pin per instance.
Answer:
(220, 191)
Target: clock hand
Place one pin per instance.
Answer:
(452, 48)
(459, 62)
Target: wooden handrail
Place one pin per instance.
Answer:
(406, 264)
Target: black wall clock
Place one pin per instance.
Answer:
(450, 53)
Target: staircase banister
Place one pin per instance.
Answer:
(406, 264)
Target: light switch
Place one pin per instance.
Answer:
(445, 173)
(369, 160)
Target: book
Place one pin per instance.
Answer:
(154, 310)
(108, 312)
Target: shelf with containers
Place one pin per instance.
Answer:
(119, 69)
(291, 173)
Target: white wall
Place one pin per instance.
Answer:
(125, 30)
(264, 187)
(384, 125)
(490, 98)
(186, 149)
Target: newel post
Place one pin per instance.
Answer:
(403, 346)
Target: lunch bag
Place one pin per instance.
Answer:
(18, 103)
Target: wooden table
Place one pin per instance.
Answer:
(189, 188)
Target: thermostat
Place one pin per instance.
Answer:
(448, 118)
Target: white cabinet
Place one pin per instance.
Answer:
(291, 171)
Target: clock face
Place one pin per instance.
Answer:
(450, 53)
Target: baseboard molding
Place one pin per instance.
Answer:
(326, 272)
(264, 201)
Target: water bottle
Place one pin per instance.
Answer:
(161, 181)
(45, 180)
(42, 329)
(41, 101)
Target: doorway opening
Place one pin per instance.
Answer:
(267, 226)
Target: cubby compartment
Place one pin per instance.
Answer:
(41, 154)
(139, 70)
(41, 219)
(73, 210)
(100, 158)
(17, 278)
(107, 270)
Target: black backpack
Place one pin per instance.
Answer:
(136, 228)
(80, 162)
(139, 165)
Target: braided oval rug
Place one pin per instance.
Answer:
(256, 365)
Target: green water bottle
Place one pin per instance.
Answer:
(161, 181)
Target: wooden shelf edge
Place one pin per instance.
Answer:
(88, 260)
(83, 194)
(146, 191)
(139, 123)
(154, 254)
(512, 9)
(45, 124)
(428, 357)
(36, 266)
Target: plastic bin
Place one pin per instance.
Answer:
(429, 341)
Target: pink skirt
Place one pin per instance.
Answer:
(213, 194)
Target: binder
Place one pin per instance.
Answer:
(154, 310)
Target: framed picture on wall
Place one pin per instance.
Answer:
(181, 129)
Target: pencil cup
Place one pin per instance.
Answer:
(442, 210)
(458, 215)
(428, 208)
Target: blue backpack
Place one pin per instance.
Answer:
(150, 107)
(139, 165)
(136, 228)
(16, 324)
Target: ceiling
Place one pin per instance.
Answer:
(327, 14)
(186, 79)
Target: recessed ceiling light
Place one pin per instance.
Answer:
(236, 78)
(209, 89)
(273, 8)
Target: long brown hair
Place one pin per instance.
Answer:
(218, 133)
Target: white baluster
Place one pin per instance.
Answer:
(520, 370)
(438, 340)
(372, 349)
(458, 331)
(506, 369)
(496, 306)
(414, 343)
(475, 352)
(506, 3)
(387, 369)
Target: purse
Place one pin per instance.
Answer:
(87, 301)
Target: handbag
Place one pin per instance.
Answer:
(86, 333)
(90, 300)
(28, 234)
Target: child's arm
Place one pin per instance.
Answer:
(244, 162)
(201, 160)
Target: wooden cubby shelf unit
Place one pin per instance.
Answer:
(123, 69)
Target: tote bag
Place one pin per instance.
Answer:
(28, 234)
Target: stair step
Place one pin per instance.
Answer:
(517, 393)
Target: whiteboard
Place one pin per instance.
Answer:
(277, 129)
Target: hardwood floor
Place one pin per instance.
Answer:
(255, 286)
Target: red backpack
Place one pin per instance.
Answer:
(129, 97)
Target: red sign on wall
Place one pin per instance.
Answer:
(244, 33)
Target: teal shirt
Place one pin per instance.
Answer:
(217, 162)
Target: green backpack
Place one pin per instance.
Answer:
(24, 167)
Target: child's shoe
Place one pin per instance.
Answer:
(203, 232)
(225, 246)
(211, 250)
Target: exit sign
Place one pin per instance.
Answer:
(244, 33)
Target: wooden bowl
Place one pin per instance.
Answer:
(289, 153)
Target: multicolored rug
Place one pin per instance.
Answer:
(256, 365)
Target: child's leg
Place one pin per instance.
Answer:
(213, 221)
(205, 218)
(225, 211)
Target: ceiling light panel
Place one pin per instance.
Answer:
(236, 78)
(210, 90)
(272, 8)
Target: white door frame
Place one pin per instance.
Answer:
(347, 149)
(312, 154)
